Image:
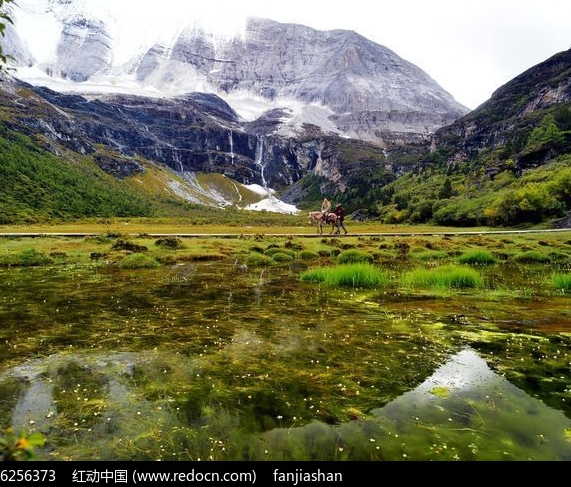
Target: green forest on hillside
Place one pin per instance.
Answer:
(490, 189)
(467, 198)
(37, 186)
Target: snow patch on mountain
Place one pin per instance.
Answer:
(270, 203)
(208, 193)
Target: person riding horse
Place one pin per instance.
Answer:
(326, 209)
(318, 218)
(340, 212)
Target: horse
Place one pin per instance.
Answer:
(318, 218)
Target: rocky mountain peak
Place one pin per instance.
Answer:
(352, 86)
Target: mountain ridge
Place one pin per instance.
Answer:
(360, 89)
(478, 170)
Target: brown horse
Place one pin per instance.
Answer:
(318, 218)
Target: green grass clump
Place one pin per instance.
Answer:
(172, 243)
(532, 257)
(278, 250)
(138, 261)
(350, 275)
(477, 257)
(282, 257)
(259, 260)
(562, 282)
(26, 258)
(32, 257)
(308, 255)
(354, 256)
(449, 276)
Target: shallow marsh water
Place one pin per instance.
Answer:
(213, 362)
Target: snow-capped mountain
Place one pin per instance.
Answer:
(336, 80)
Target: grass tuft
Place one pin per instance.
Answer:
(354, 256)
(139, 261)
(448, 276)
(477, 257)
(532, 257)
(350, 275)
(562, 282)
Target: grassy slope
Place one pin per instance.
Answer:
(38, 187)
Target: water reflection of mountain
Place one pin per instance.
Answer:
(464, 411)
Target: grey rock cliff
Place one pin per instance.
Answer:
(371, 91)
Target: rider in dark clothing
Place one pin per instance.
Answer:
(340, 212)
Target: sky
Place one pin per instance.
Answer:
(469, 47)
